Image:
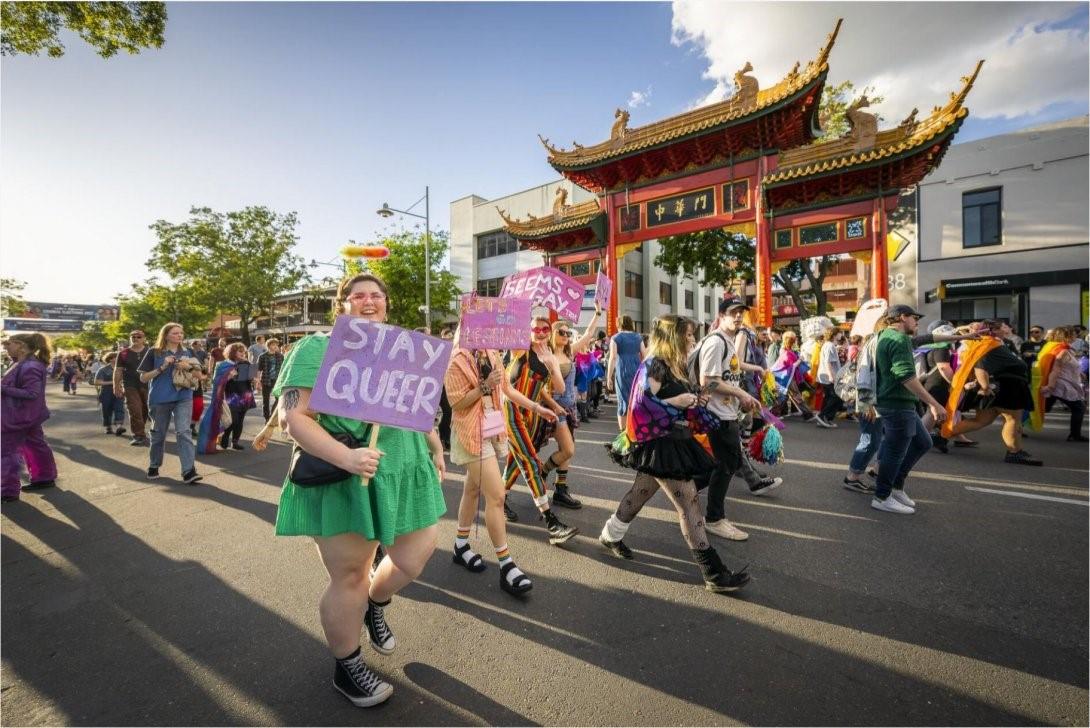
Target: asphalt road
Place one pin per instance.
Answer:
(127, 601)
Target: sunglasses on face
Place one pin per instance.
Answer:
(565, 334)
(540, 329)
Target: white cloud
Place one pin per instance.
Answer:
(640, 98)
(913, 54)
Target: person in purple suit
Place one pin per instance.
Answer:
(22, 395)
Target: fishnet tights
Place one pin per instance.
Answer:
(682, 493)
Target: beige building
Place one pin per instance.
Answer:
(1003, 229)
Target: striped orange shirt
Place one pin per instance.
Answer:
(462, 378)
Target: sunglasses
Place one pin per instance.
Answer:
(541, 329)
(563, 333)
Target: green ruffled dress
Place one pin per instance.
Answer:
(404, 496)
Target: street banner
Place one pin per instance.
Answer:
(494, 323)
(546, 286)
(381, 374)
(602, 288)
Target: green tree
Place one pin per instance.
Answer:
(833, 109)
(32, 27)
(11, 297)
(93, 337)
(235, 262)
(403, 273)
(151, 304)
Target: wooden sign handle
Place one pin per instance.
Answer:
(371, 444)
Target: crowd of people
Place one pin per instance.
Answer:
(688, 411)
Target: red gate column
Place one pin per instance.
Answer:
(764, 264)
(611, 268)
(879, 260)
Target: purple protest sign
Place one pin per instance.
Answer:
(494, 323)
(381, 374)
(602, 288)
(546, 286)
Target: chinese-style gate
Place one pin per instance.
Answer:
(751, 165)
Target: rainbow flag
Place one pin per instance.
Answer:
(973, 354)
(1042, 369)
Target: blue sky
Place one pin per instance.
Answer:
(332, 109)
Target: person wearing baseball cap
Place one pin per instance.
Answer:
(127, 386)
(906, 439)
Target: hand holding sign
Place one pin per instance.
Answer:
(549, 287)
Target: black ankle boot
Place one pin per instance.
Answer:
(717, 577)
(582, 408)
(561, 497)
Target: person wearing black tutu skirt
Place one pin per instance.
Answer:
(657, 442)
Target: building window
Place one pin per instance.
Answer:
(579, 269)
(666, 293)
(689, 300)
(489, 287)
(981, 213)
(707, 305)
(633, 285)
(495, 243)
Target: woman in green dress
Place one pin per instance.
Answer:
(399, 508)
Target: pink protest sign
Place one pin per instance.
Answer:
(494, 323)
(546, 286)
(381, 374)
(602, 288)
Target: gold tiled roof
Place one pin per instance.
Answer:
(697, 120)
(569, 218)
(822, 157)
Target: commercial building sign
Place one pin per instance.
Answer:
(70, 311)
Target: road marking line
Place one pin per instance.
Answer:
(1030, 495)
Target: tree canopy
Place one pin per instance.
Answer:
(11, 297)
(403, 273)
(151, 304)
(32, 27)
(233, 262)
(833, 110)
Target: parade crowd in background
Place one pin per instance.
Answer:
(692, 414)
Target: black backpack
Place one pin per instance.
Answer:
(692, 366)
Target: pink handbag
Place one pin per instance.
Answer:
(492, 425)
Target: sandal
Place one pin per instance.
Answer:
(475, 564)
(970, 443)
(521, 585)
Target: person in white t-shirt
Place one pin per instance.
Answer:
(828, 368)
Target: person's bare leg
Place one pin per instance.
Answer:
(983, 419)
(405, 559)
(347, 559)
(1012, 430)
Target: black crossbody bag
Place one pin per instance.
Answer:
(308, 470)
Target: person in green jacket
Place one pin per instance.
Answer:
(398, 508)
(904, 438)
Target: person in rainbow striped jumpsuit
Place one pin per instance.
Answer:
(533, 374)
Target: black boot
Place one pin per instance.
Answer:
(561, 497)
(717, 577)
(582, 407)
(509, 514)
(940, 443)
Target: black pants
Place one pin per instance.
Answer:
(234, 432)
(727, 448)
(444, 421)
(831, 403)
(268, 401)
(1078, 412)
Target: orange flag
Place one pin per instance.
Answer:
(966, 362)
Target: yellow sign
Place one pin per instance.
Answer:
(895, 245)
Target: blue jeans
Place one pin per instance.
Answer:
(182, 411)
(870, 438)
(904, 442)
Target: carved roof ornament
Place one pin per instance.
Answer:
(863, 127)
(503, 216)
(745, 87)
(560, 203)
(625, 140)
(906, 138)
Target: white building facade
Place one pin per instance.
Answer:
(482, 255)
(1003, 229)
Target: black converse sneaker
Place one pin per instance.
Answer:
(358, 683)
(378, 632)
(558, 531)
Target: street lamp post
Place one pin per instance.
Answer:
(387, 211)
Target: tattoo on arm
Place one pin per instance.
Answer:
(289, 399)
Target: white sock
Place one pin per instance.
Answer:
(615, 529)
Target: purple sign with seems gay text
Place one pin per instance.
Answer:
(602, 288)
(494, 323)
(381, 374)
(549, 287)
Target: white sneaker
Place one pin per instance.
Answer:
(726, 529)
(891, 505)
(823, 423)
(903, 499)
